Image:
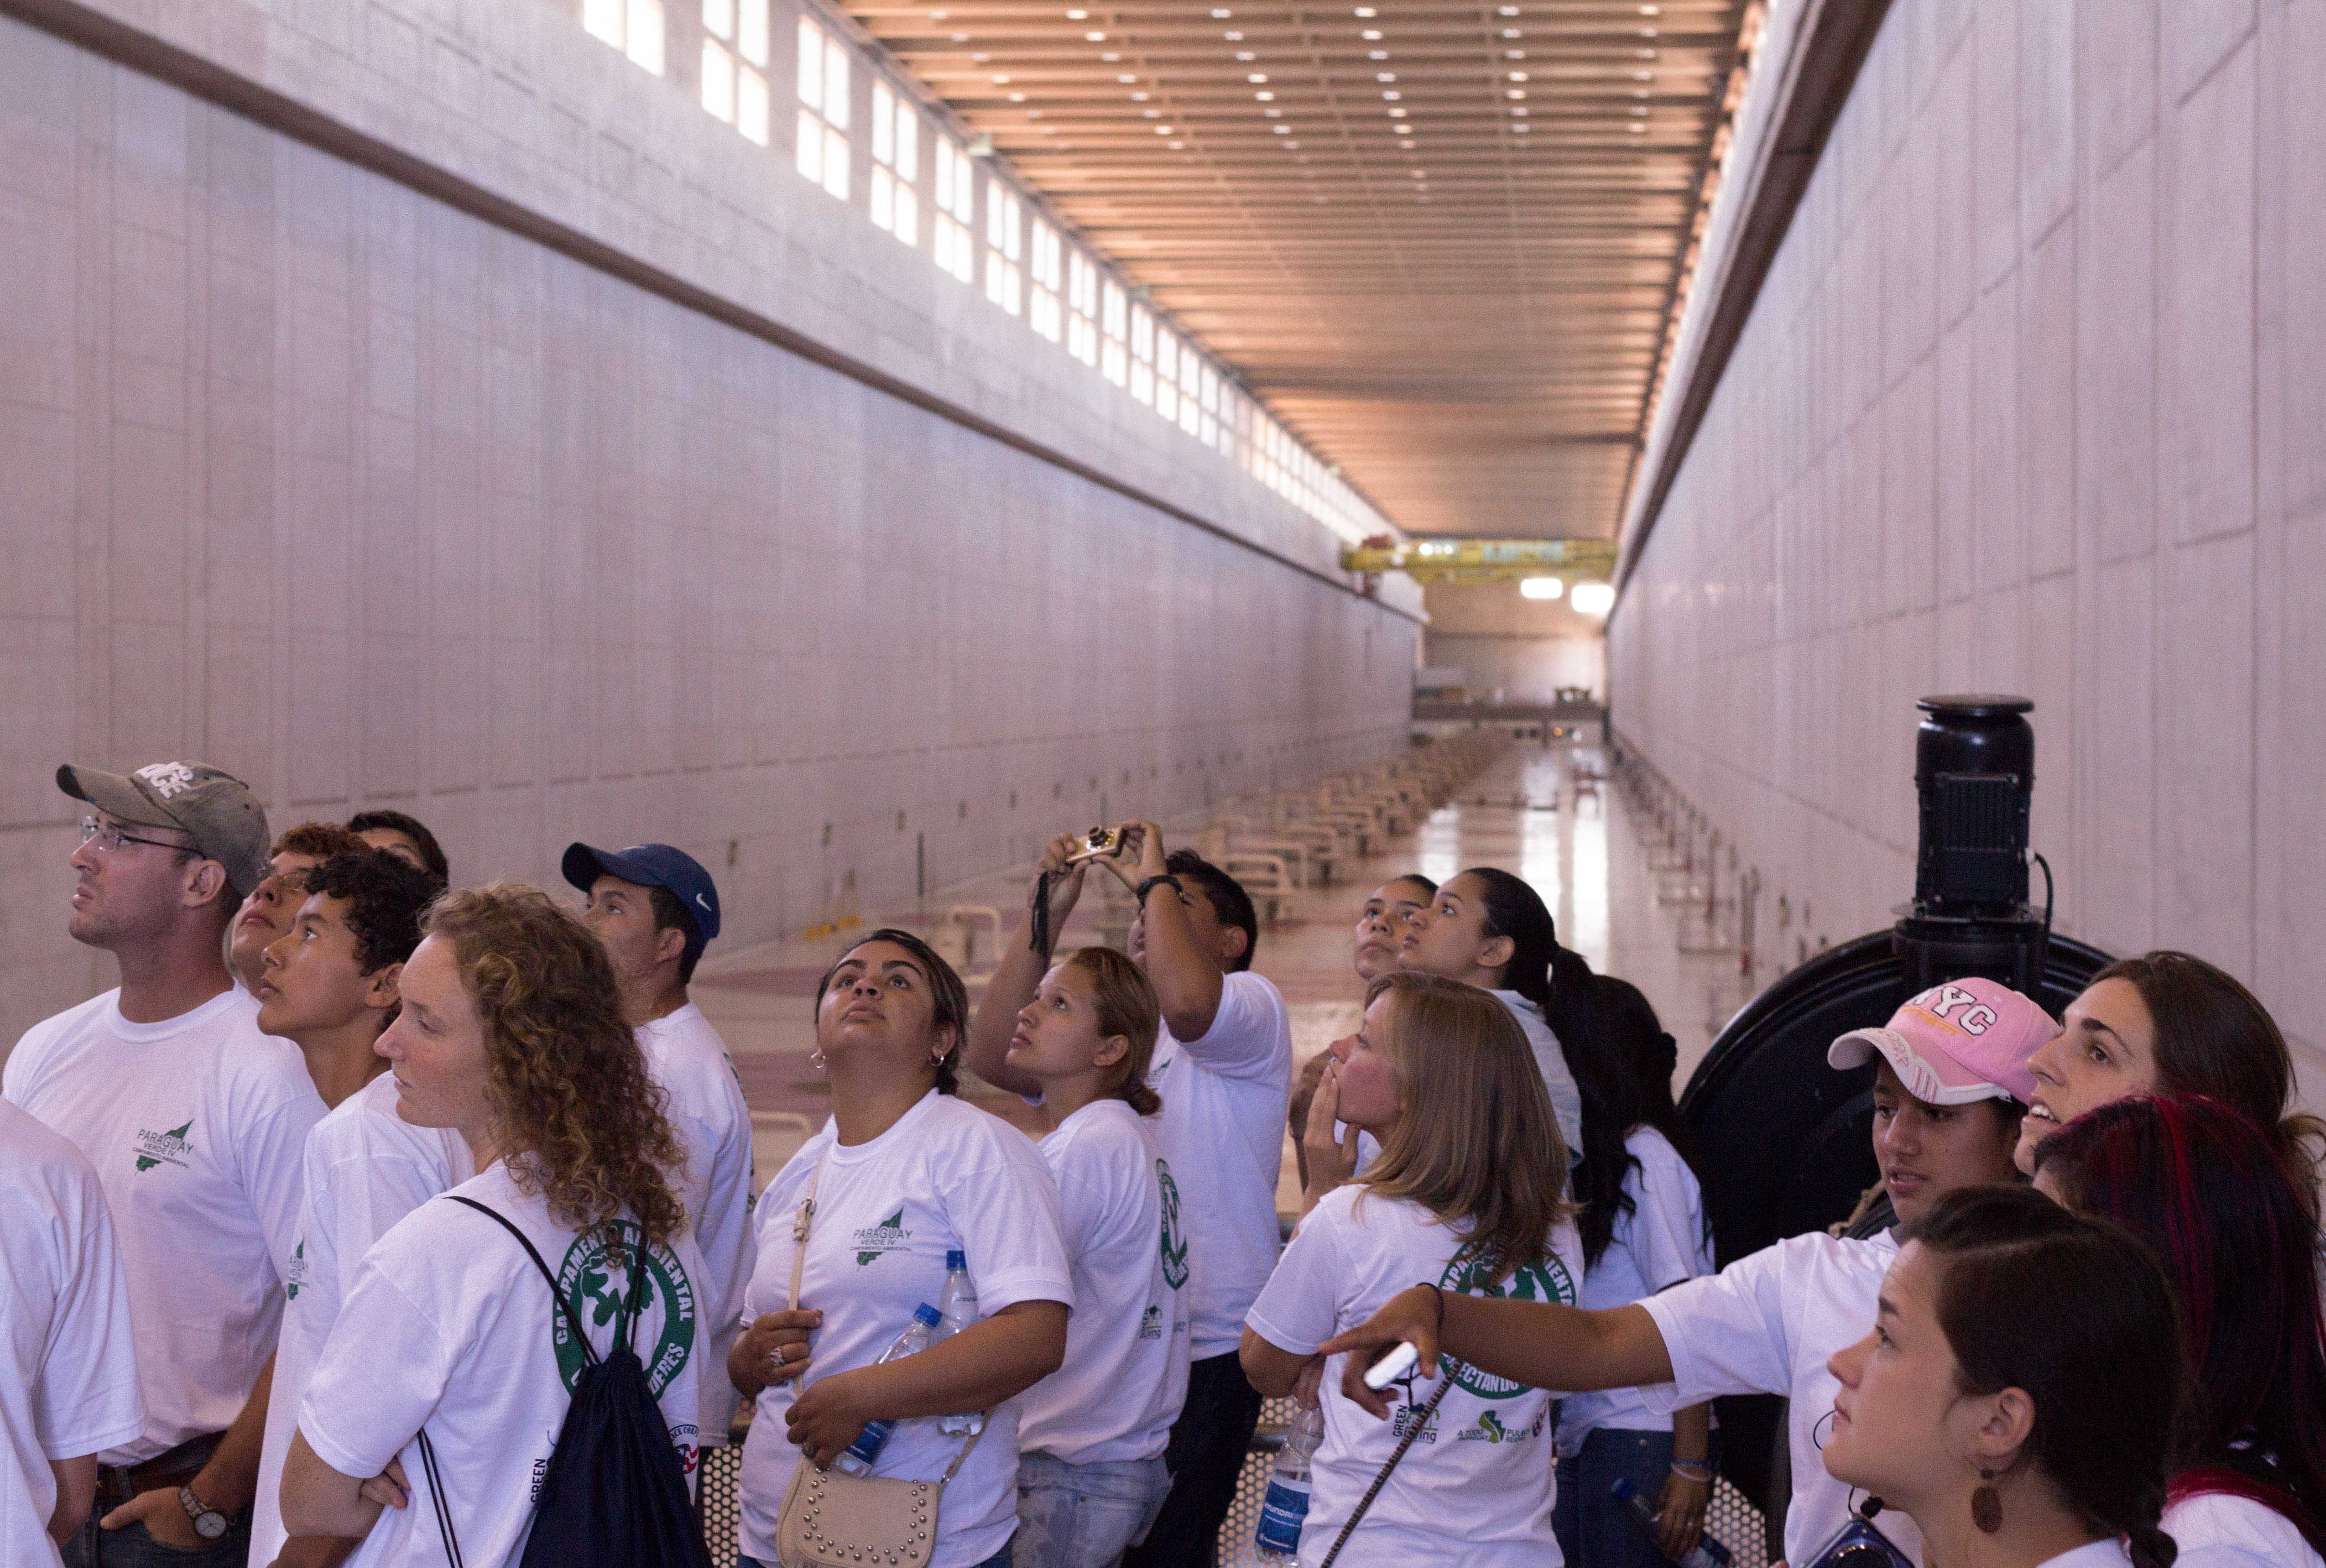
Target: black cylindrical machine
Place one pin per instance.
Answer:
(1785, 1139)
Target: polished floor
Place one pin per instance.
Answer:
(1589, 857)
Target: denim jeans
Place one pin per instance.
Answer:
(1083, 1516)
(134, 1547)
(1594, 1529)
(1206, 1454)
(998, 1560)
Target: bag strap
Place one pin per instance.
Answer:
(803, 1220)
(1382, 1479)
(572, 1319)
(436, 1496)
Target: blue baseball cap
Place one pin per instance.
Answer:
(653, 866)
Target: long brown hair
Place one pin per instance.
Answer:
(570, 1092)
(1478, 1145)
(1124, 999)
(2215, 1039)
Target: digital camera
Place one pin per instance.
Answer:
(1858, 1544)
(1097, 845)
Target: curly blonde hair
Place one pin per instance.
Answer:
(570, 1090)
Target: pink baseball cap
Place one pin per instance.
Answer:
(1955, 1042)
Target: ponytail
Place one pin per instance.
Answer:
(1124, 999)
(2149, 1547)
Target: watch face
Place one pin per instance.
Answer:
(208, 1522)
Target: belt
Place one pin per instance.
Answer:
(171, 1468)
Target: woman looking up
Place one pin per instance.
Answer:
(904, 1173)
(510, 1033)
(1468, 1192)
(2016, 1397)
(1486, 928)
(2166, 1023)
(1092, 1435)
(1381, 929)
(2202, 1186)
(1381, 925)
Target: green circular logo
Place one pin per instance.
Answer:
(1546, 1281)
(1174, 1241)
(662, 1324)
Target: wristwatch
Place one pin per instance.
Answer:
(208, 1523)
(1152, 884)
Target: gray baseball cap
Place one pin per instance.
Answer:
(216, 809)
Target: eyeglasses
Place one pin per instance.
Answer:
(109, 837)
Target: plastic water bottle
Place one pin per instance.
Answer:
(861, 1454)
(1708, 1553)
(957, 1306)
(1284, 1508)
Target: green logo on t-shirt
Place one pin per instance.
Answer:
(298, 1274)
(1546, 1281)
(167, 1149)
(597, 1287)
(1174, 1241)
(888, 1236)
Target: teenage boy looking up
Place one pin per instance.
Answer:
(329, 987)
(196, 1123)
(266, 913)
(1949, 1088)
(1223, 1067)
(656, 909)
(406, 837)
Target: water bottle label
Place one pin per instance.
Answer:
(1283, 1512)
(871, 1440)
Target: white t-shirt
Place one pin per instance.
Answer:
(1125, 1375)
(686, 1057)
(366, 1169)
(2223, 1530)
(197, 1126)
(1476, 1488)
(449, 1324)
(1550, 1059)
(2095, 1554)
(946, 1177)
(1223, 1132)
(1766, 1324)
(1659, 1243)
(68, 1373)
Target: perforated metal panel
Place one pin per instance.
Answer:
(1738, 1526)
(718, 1498)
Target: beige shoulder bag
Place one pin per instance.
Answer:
(831, 1519)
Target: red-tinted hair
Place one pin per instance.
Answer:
(2210, 1193)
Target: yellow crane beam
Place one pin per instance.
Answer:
(1483, 560)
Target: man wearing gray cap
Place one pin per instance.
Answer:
(197, 1123)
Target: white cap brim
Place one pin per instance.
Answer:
(1921, 1077)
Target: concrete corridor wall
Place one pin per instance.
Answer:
(318, 479)
(2033, 400)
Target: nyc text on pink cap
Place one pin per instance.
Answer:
(1955, 1042)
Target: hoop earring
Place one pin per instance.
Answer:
(1987, 1505)
(815, 1058)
